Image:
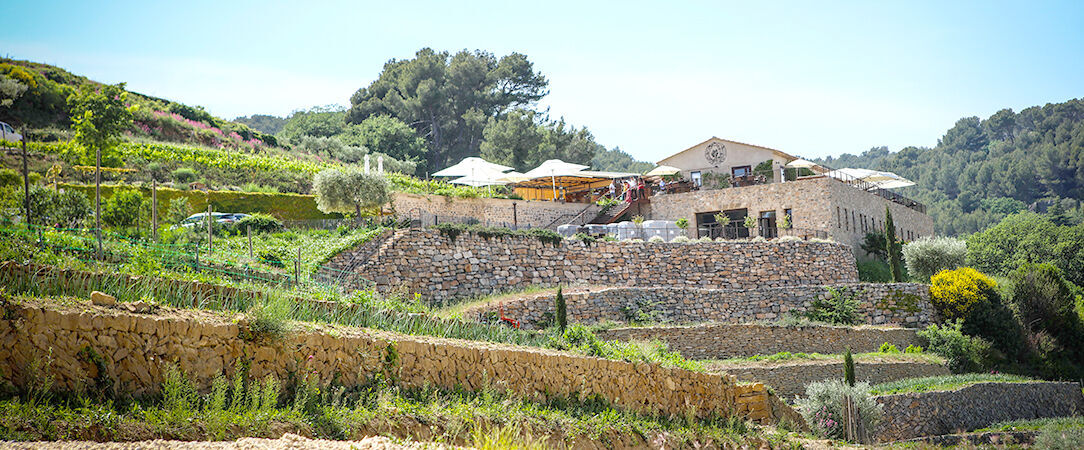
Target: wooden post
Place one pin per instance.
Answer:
(248, 229)
(26, 185)
(297, 268)
(210, 230)
(98, 197)
(154, 210)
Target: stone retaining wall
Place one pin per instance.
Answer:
(790, 379)
(132, 348)
(441, 268)
(972, 407)
(721, 340)
(904, 304)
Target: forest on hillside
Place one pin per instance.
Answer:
(983, 170)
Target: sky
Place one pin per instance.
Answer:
(653, 78)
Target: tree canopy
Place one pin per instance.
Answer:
(983, 170)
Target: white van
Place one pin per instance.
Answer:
(7, 133)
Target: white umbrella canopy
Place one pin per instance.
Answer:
(850, 173)
(894, 184)
(555, 168)
(469, 166)
(482, 177)
(802, 164)
(662, 171)
(513, 177)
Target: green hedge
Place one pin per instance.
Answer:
(282, 206)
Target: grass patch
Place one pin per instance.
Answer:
(1054, 423)
(456, 310)
(944, 383)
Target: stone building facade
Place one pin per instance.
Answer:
(818, 207)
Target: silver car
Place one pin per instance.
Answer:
(7, 133)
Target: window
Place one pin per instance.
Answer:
(741, 171)
(846, 220)
(787, 212)
(695, 177)
(853, 222)
(839, 222)
(862, 217)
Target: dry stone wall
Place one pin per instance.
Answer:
(131, 350)
(972, 407)
(430, 209)
(905, 304)
(790, 379)
(722, 340)
(442, 268)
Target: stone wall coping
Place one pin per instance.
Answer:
(706, 325)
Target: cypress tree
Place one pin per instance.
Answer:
(848, 368)
(562, 313)
(893, 248)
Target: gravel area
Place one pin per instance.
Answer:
(287, 441)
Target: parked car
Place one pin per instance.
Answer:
(196, 219)
(7, 133)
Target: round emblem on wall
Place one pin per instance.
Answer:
(715, 153)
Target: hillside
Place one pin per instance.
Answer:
(38, 95)
(985, 169)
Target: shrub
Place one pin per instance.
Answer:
(122, 208)
(562, 310)
(955, 292)
(682, 239)
(71, 209)
(889, 348)
(874, 271)
(656, 239)
(929, 256)
(178, 210)
(1045, 301)
(9, 177)
(993, 321)
(184, 175)
(913, 349)
(848, 368)
(682, 223)
(964, 353)
(840, 308)
(823, 407)
(259, 223)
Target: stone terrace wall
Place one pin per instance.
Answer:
(976, 406)
(440, 268)
(134, 347)
(790, 379)
(879, 303)
(721, 341)
(488, 211)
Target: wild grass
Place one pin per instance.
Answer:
(1054, 423)
(270, 311)
(944, 383)
(242, 406)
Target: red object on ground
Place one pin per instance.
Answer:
(513, 322)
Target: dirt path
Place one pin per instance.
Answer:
(287, 441)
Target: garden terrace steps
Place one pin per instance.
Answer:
(204, 344)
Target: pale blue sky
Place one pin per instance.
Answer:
(650, 77)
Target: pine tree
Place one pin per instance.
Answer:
(893, 248)
(848, 368)
(1058, 214)
(562, 313)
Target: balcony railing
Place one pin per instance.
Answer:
(733, 231)
(884, 193)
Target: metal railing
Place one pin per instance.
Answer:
(733, 231)
(883, 193)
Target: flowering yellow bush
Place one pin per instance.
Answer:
(955, 292)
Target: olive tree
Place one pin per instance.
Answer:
(350, 191)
